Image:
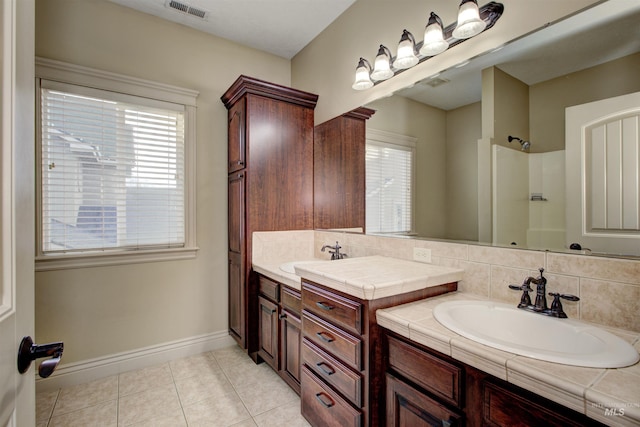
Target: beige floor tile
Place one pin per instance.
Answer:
(45, 402)
(246, 423)
(175, 421)
(286, 415)
(221, 411)
(196, 365)
(85, 395)
(102, 415)
(262, 397)
(156, 403)
(201, 387)
(144, 379)
(231, 356)
(242, 376)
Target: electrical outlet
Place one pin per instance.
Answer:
(422, 255)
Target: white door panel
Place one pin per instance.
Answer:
(17, 392)
(603, 175)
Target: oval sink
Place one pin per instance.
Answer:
(508, 328)
(290, 267)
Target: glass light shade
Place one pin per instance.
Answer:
(362, 81)
(434, 42)
(406, 57)
(469, 22)
(382, 65)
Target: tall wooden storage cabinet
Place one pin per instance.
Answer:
(339, 170)
(270, 183)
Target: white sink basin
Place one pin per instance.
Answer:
(290, 267)
(511, 329)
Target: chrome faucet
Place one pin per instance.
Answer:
(540, 305)
(335, 253)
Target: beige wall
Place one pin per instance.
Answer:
(549, 99)
(101, 311)
(326, 66)
(505, 107)
(464, 129)
(427, 124)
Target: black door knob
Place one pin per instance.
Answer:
(28, 352)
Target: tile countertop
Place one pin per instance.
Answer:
(590, 391)
(375, 277)
(364, 277)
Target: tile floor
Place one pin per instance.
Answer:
(219, 388)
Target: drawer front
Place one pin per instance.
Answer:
(269, 288)
(430, 372)
(321, 406)
(332, 371)
(335, 308)
(291, 299)
(334, 340)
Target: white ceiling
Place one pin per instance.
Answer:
(281, 27)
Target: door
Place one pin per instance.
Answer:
(17, 112)
(603, 165)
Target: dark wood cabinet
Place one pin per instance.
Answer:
(279, 329)
(427, 388)
(270, 166)
(268, 332)
(343, 373)
(339, 171)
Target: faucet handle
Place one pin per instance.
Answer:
(556, 306)
(525, 300)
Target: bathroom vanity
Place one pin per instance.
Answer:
(362, 348)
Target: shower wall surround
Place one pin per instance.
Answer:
(609, 289)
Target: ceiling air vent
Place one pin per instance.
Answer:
(186, 9)
(436, 81)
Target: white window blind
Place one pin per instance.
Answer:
(389, 188)
(112, 171)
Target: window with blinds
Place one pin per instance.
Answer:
(112, 171)
(389, 187)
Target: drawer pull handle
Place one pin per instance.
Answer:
(324, 306)
(327, 338)
(324, 402)
(328, 370)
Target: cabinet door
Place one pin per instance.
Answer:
(236, 221)
(290, 326)
(237, 145)
(268, 331)
(237, 299)
(409, 407)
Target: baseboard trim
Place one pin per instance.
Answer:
(92, 369)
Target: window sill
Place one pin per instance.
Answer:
(100, 259)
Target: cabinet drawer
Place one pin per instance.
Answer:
(334, 340)
(335, 308)
(291, 299)
(428, 371)
(321, 406)
(342, 378)
(269, 288)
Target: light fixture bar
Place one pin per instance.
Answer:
(489, 13)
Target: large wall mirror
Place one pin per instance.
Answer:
(471, 182)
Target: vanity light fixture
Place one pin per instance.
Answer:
(434, 42)
(363, 81)
(382, 65)
(471, 22)
(407, 54)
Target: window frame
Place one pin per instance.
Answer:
(71, 74)
(397, 141)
